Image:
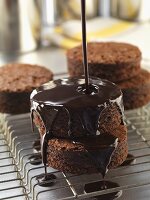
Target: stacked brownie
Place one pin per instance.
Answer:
(16, 84)
(77, 125)
(136, 91)
(119, 63)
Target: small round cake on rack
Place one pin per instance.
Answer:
(16, 84)
(114, 61)
(136, 91)
(80, 132)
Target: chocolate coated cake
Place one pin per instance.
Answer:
(16, 84)
(136, 91)
(80, 128)
(67, 156)
(108, 60)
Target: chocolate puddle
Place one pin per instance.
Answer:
(35, 159)
(46, 180)
(103, 185)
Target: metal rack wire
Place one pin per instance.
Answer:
(19, 174)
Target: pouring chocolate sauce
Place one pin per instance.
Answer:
(84, 45)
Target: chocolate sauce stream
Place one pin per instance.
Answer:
(84, 45)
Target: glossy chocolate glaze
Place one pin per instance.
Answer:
(99, 151)
(69, 94)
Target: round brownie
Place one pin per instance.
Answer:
(136, 91)
(66, 156)
(108, 60)
(16, 84)
(78, 128)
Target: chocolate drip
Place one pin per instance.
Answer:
(46, 180)
(89, 118)
(99, 152)
(48, 135)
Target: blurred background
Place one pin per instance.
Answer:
(39, 31)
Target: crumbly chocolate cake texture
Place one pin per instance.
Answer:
(16, 84)
(136, 91)
(113, 61)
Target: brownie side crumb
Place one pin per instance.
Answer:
(136, 91)
(136, 98)
(142, 79)
(23, 77)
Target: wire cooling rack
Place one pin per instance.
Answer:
(18, 174)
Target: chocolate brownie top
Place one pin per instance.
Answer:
(142, 79)
(107, 53)
(70, 92)
(23, 77)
